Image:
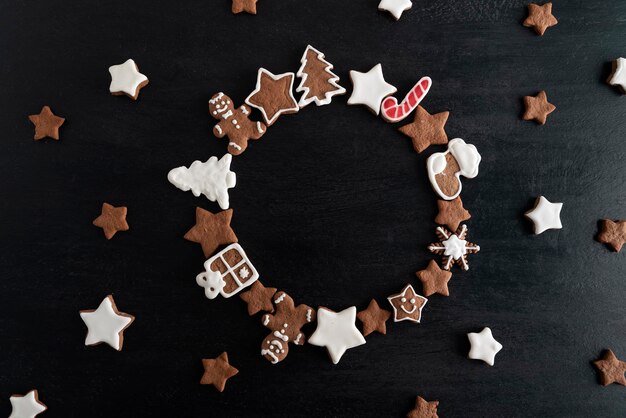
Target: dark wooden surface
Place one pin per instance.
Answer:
(332, 205)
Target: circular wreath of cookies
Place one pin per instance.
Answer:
(229, 271)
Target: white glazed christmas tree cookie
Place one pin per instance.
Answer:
(484, 346)
(337, 332)
(212, 178)
(27, 406)
(545, 215)
(395, 7)
(370, 88)
(126, 79)
(106, 324)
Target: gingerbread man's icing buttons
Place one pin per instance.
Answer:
(446, 168)
(212, 178)
(227, 273)
(234, 123)
(407, 305)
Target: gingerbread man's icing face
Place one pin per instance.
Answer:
(219, 105)
(274, 348)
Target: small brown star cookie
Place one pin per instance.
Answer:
(248, 6)
(259, 298)
(540, 18)
(612, 233)
(451, 213)
(217, 371)
(424, 409)
(212, 230)
(434, 279)
(112, 220)
(47, 124)
(611, 369)
(426, 129)
(538, 108)
(374, 318)
(408, 305)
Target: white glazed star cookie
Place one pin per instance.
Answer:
(395, 7)
(27, 406)
(337, 332)
(106, 324)
(370, 88)
(126, 79)
(545, 215)
(484, 346)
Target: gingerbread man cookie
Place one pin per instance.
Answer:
(285, 325)
(234, 123)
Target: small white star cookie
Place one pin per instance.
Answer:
(126, 79)
(106, 324)
(545, 215)
(484, 346)
(27, 406)
(337, 332)
(370, 88)
(395, 7)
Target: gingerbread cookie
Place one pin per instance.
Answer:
(424, 409)
(259, 298)
(453, 247)
(112, 220)
(451, 213)
(26, 406)
(611, 369)
(434, 279)
(217, 371)
(612, 233)
(618, 75)
(407, 305)
(212, 230)
(540, 18)
(538, 108)
(212, 178)
(47, 124)
(394, 112)
(285, 325)
(227, 273)
(337, 332)
(370, 88)
(248, 6)
(234, 123)
(273, 95)
(426, 129)
(126, 79)
(374, 319)
(446, 168)
(106, 324)
(318, 83)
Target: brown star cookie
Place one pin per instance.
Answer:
(538, 108)
(217, 371)
(426, 129)
(273, 95)
(434, 279)
(612, 233)
(451, 213)
(212, 230)
(408, 305)
(259, 298)
(47, 124)
(373, 319)
(112, 220)
(248, 6)
(611, 369)
(424, 409)
(540, 18)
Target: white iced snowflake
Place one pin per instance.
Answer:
(244, 273)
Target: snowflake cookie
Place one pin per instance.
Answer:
(453, 247)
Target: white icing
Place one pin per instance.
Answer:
(266, 320)
(467, 157)
(308, 315)
(483, 346)
(244, 273)
(297, 340)
(618, 78)
(333, 81)
(281, 336)
(104, 325)
(26, 406)
(413, 309)
(232, 144)
(280, 298)
(209, 279)
(412, 301)
(244, 110)
(370, 88)
(217, 97)
(125, 78)
(259, 127)
(227, 114)
(545, 215)
(212, 178)
(395, 7)
(337, 332)
(392, 111)
(454, 247)
(219, 129)
(274, 77)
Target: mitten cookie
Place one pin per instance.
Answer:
(446, 168)
(234, 123)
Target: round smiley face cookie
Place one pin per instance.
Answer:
(407, 305)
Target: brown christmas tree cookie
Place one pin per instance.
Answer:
(407, 305)
(454, 247)
(612, 233)
(426, 129)
(273, 95)
(424, 409)
(285, 325)
(259, 298)
(374, 319)
(217, 371)
(434, 279)
(234, 123)
(538, 108)
(212, 230)
(47, 124)
(318, 83)
(248, 6)
(611, 369)
(112, 220)
(540, 18)
(451, 213)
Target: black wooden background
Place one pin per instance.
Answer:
(332, 205)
